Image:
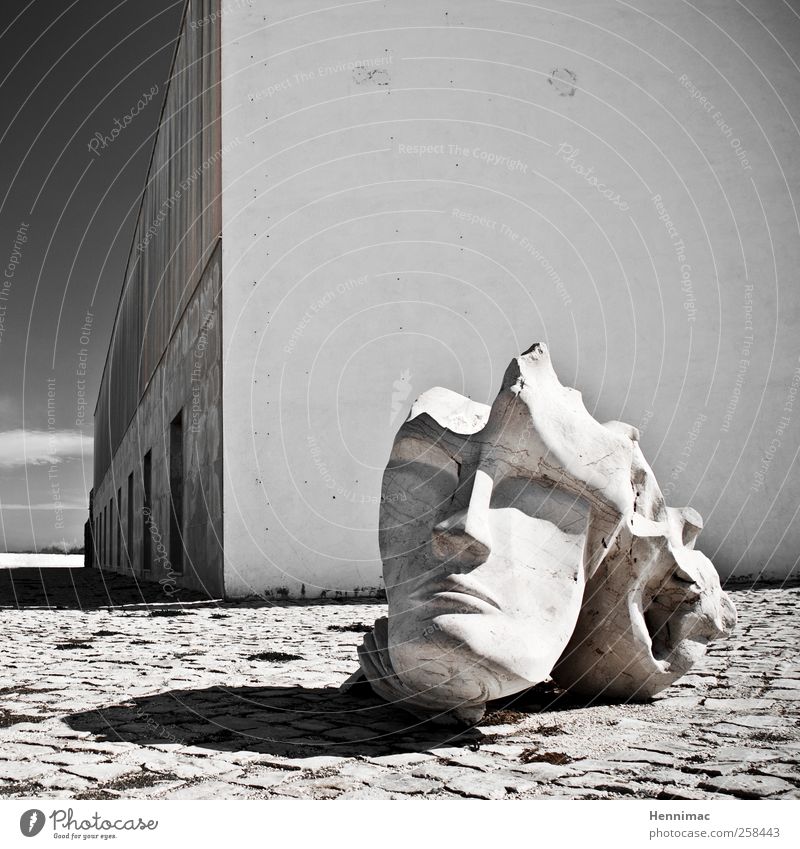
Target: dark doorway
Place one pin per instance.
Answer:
(118, 559)
(176, 493)
(147, 486)
(129, 543)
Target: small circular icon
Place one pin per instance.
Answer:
(31, 822)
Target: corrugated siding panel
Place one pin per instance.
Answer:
(178, 226)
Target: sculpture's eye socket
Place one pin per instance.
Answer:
(685, 587)
(538, 500)
(675, 592)
(691, 595)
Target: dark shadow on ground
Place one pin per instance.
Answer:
(82, 589)
(294, 722)
(298, 722)
(734, 585)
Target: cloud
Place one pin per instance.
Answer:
(40, 447)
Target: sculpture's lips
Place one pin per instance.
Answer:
(455, 590)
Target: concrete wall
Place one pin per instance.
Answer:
(188, 378)
(423, 189)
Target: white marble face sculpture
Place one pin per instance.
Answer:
(492, 521)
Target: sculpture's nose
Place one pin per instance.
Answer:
(464, 538)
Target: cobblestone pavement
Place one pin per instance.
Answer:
(109, 697)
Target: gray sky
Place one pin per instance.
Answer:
(70, 73)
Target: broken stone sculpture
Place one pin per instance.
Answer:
(526, 540)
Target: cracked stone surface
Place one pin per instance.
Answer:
(100, 698)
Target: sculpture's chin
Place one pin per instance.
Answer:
(452, 686)
(427, 690)
(456, 681)
(466, 657)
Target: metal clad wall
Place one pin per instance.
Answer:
(188, 379)
(178, 226)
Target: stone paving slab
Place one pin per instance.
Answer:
(107, 692)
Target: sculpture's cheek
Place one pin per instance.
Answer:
(536, 572)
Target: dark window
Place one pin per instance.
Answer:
(147, 485)
(129, 543)
(118, 561)
(176, 493)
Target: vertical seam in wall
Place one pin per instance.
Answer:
(221, 432)
(220, 183)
